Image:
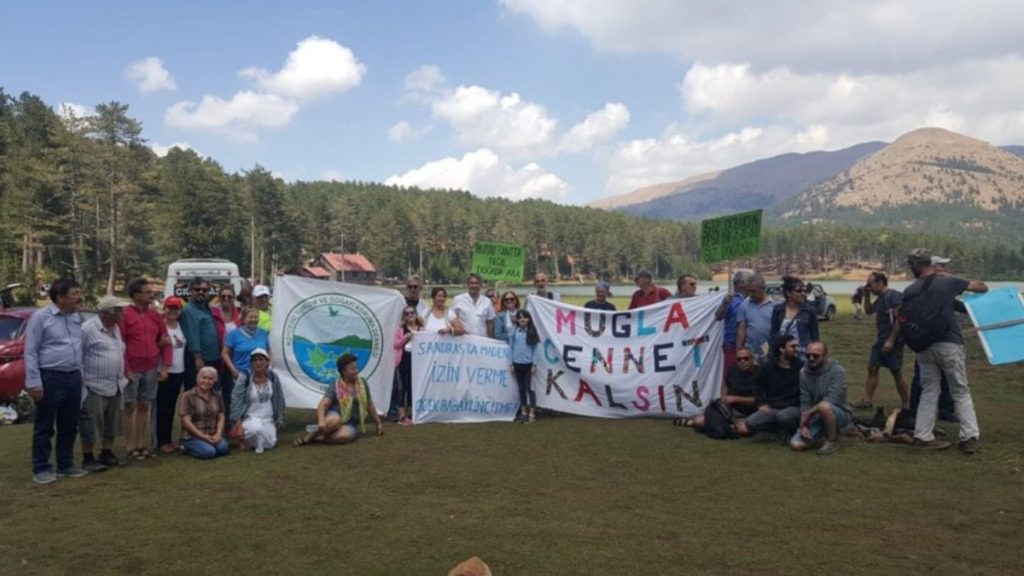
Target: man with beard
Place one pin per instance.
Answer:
(944, 356)
(777, 393)
(824, 410)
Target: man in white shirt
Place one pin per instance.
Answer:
(474, 310)
(103, 374)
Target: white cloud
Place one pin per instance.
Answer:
(333, 176)
(598, 127)
(162, 150)
(483, 117)
(316, 67)
(871, 35)
(67, 110)
(236, 117)
(485, 174)
(853, 108)
(404, 131)
(425, 80)
(149, 75)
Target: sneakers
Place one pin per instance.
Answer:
(93, 465)
(73, 472)
(931, 444)
(829, 447)
(108, 459)
(969, 446)
(45, 477)
(531, 418)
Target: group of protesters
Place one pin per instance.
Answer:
(779, 376)
(208, 366)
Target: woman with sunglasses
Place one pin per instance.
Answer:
(505, 321)
(794, 316)
(411, 324)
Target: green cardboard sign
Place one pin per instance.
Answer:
(499, 262)
(730, 237)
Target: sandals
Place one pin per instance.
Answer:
(138, 455)
(683, 422)
(863, 405)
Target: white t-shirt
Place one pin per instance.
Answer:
(177, 350)
(473, 315)
(260, 401)
(432, 324)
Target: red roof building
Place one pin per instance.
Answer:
(344, 267)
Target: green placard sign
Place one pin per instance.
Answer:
(499, 262)
(730, 237)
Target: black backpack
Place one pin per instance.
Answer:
(718, 421)
(923, 318)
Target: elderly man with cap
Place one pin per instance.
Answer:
(103, 375)
(261, 297)
(602, 290)
(944, 356)
(647, 293)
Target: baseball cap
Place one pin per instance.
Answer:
(260, 290)
(172, 302)
(919, 256)
(110, 302)
(604, 286)
(260, 352)
(939, 260)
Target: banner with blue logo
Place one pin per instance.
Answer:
(316, 321)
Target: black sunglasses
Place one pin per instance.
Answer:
(814, 356)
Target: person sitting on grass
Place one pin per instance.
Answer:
(341, 413)
(258, 401)
(202, 418)
(824, 410)
(737, 390)
(778, 391)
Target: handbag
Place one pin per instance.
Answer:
(236, 431)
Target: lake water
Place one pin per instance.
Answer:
(833, 287)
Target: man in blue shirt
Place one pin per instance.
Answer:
(53, 377)
(729, 311)
(203, 347)
(755, 320)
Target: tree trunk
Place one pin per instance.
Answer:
(112, 271)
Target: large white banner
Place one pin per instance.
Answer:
(461, 379)
(660, 360)
(316, 321)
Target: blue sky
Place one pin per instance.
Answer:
(569, 101)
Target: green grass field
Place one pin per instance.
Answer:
(566, 495)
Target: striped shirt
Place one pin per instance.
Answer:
(102, 358)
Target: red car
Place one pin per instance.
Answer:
(12, 350)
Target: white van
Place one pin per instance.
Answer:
(216, 271)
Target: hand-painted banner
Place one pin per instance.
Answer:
(316, 321)
(660, 360)
(729, 237)
(461, 379)
(499, 262)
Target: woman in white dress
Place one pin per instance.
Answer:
(258, 402)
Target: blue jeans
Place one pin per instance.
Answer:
(204, 450)
(61, 405)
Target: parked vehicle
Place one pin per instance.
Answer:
(12, 349)
(824, 304)
(216, 271)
